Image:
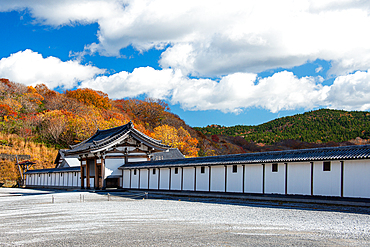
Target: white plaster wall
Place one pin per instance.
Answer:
(70, 179)
(299, 178)
(356, 180)
(234, 181)
(188, 183)
(326, 183)
(253, 179)
(126, 179)
(218, 178)
(275, 181)
(143, 178)
(55, 179)
(92, 185)
(202, 179)
(135, 179)
(78, 177)
(153, 179)
(176, 179)
(49, 182)
(111, 166)
(164, 179)
(66, 176)
(41, 179)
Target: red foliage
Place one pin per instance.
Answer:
(215, 138)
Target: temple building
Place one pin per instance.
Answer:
(125, 158)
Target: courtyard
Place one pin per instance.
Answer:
(79, 218)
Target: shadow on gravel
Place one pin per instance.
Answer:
(245, 202)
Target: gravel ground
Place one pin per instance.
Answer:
(28, 217)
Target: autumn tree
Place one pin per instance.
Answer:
(90, 97)
(177, 138)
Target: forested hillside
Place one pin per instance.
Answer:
(321, 126)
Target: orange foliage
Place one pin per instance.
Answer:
(180, 139)
(90, 97)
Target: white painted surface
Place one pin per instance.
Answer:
(153, 179)
(92, 185)
(356, 180)
(133, 159)
(202, 179)
(188, 183)
(72, 162)
(143, 178)
(164, 179)
(218, 178)
(275, 181)
(66, 179)
(78, 179)
(234, 181)
(176, 179)
(111, 166)
(126, 179)
(253, 179)
(135, 179)
(326, 183)
(299, 178)
(49, 183)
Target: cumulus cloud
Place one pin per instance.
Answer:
(226, 38)
(30, 68)
(232, 93)
(350, 92)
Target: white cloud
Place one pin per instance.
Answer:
(232, 93)
(350, 92)
(214, 38)
(30, 68)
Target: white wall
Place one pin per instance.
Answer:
(111, 166)
(326, 183)
(135, 179)
(234, 181)
(176, 179)
(299, 178)
(202, 179)
(218, 178)
(188, 178)
(253, 179)
(164, 179)
(356, 181)
(126, 179)
(153, 179)
(275, 181)
(143, 178)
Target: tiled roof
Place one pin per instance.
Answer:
(106, 138)
(172, 153)
(51, 170)
(301, 155)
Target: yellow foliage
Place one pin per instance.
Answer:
(13, 144)
(180, 139)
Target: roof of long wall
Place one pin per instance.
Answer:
(301, 155)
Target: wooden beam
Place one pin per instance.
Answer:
(311, 178)
(87, 174)
(96, 179)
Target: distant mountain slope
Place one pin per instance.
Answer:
(320, 126)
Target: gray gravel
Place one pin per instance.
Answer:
(28, 217)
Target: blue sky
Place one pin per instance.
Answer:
(214, 62)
